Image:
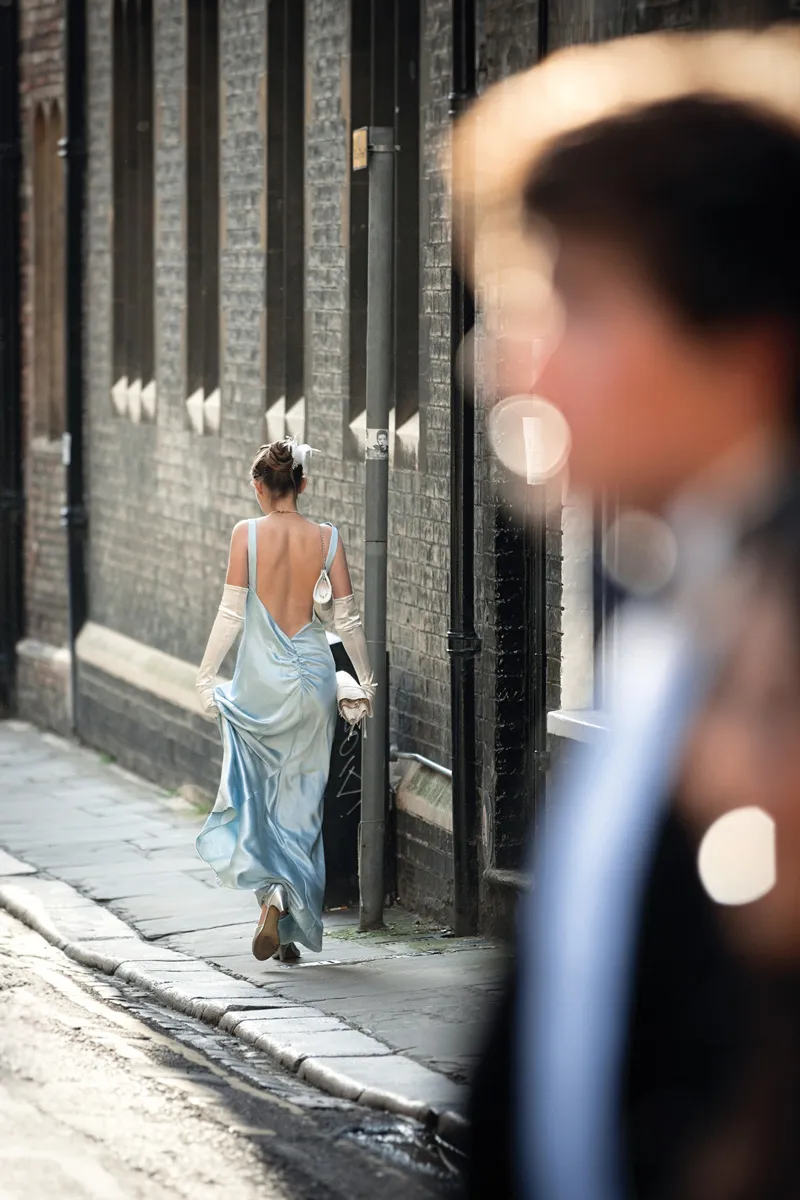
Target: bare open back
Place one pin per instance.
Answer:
(290, 554)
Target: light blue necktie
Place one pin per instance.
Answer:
(578, 929)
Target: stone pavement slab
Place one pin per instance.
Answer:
(393, 1016)
(411, 1080)
(11, 866)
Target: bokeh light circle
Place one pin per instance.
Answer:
(736, 860)
(640, 552)
(530, 437)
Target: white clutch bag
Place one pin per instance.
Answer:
(352, 700)
(323, 598)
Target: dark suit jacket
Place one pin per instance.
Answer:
(684, 1043)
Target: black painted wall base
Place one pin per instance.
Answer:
(425, 867)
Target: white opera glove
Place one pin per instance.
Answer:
(347, 624)
(227, 624)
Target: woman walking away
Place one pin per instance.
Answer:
(287, 578)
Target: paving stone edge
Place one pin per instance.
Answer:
(33, 912)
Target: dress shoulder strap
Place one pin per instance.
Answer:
(331, 555)
(251, 553)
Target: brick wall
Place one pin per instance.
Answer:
(508, 40)
(336, 492)
(418, 512)
(425, 867)
(41, 692)
(506, 547)
(419, 536)
(172, 746)
(162, 499)
(418, 583)
(45, 544)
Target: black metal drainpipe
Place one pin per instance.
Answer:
(11, 496)
(72, 149)
(462, 641)
(542, 30)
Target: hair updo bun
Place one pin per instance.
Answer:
(274, 467)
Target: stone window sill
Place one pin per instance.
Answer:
(581, 725)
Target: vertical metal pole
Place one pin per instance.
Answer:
(11, 497)
(462, 641)
(375, 752)
(73, 150)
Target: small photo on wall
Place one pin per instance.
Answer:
(377, 443)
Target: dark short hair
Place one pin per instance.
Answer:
(705, 192)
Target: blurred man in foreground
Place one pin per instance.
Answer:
(636, 228)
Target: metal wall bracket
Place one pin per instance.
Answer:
(466, 644)
(71, 148)
(75, 517)
(542, 760)
(11, 502)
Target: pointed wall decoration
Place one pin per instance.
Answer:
(276, 420)
(194, 407)
(135, 401)
(296, 420)
(119, 397)
(212, 412)
(149, 400)
(358, 427)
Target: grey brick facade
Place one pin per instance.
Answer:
(163, 499)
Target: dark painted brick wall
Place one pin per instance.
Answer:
(425, 867)
(507, 43)
(42, 82)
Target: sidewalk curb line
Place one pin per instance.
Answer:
(317, 1072)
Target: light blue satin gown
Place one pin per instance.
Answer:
(277, 718)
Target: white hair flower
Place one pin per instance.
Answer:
(301, 454)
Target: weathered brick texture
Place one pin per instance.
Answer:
(418, 506)
(163, 499)
(42, 83)
(43, 687)
(507, 43)
(425, 867)
(45, 544)
(171, 746)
